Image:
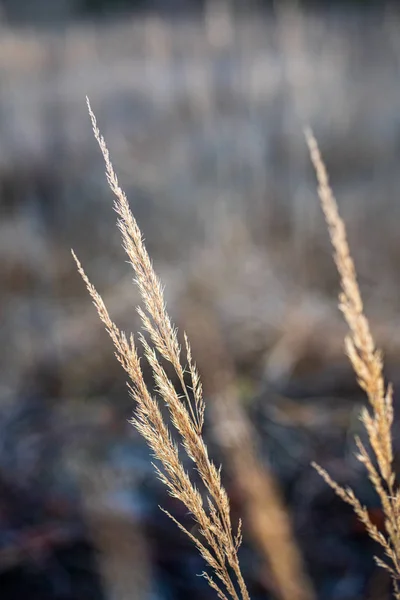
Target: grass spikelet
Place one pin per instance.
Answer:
(215, 540)
(367, 363)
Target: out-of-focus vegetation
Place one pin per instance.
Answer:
(50, 12)
(204, 118)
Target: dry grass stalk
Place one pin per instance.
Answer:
(368, 366)
(120, 543)
(266, 515)
(216, 541)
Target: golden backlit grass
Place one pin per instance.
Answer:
(367, 363)
(216, 540)
(215, 537)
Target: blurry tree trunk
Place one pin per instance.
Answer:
(265, 513)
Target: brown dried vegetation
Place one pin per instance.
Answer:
(216, 540)
(215, 537)
(367, 363)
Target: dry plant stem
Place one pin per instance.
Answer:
(266, 515)
(368, 366)
(216, 542)
(119, 541)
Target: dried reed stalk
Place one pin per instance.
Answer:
(368, 366)
(120, 542)
(215, 541)
(266, 515)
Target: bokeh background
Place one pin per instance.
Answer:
(203, 106)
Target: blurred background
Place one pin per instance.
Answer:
(203, 106)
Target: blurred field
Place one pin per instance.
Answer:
(204, 123)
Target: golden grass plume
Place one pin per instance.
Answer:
(367, 363)
(216, 541)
